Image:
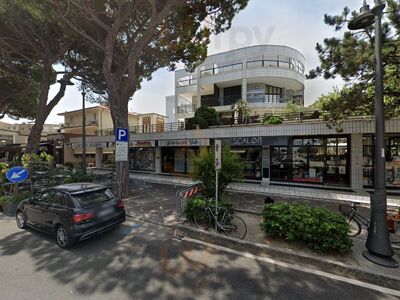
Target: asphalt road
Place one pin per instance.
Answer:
(140, 260)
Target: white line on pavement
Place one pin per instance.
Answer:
(297, 268)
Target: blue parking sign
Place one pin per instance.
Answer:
(121, 135)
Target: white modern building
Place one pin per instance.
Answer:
(266, 76)
(298, 152)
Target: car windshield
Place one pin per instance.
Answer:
(89, 198)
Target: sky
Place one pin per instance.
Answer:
(294, 23)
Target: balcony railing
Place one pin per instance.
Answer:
(186, 108)
(186, 82)
(72, 125)
(230, 121)
(279, 62)
(222, 69)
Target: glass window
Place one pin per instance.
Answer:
(251, 157)
(142, 159)
(89, 198)
(392, 153)
(59, 199)
(45, 197)
(312, 160)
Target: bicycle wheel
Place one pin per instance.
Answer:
(235, 227)
(202, 219)
(355, 227)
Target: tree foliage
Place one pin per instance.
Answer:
(32, 36)
(351, 57)
(129, 40)
(204, 170)
(19, 88)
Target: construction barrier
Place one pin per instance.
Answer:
(183, 195)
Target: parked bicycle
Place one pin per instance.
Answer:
(232, 225)
(355, 219)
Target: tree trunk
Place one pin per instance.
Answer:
(119, 113)
(44, 109)
(32, 145)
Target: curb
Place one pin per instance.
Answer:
(327, 265)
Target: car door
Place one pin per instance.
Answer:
(55, 212)
(35, 211)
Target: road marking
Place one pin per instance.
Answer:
(297, 268)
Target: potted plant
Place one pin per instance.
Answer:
(242, 111)
(9, 203)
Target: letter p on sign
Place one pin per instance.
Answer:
(121, 134)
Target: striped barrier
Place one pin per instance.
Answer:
(183, 195)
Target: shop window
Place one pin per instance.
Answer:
(312, 160)
(178, 160)
(142, 159)
(251, 157)
(392, 153)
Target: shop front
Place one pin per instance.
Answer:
(392, 154)
(142, 156)
(313, 160)
(177, 155)
(249, 149)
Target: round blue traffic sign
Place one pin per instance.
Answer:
(17, 174)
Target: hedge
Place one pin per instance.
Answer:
(322, 230)
(197, 203)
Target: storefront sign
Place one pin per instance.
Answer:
(121, 151)
(187, 143)
(247, 141)
(91, 145)
(142, 144)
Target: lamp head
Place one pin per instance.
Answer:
(65, 80)
(99, 92)
(366, 17)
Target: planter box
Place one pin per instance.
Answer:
(10, 208)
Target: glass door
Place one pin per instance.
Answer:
(336, 167)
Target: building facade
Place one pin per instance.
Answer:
(300, 152)
(266, 76)
(99, 123)
(13, 139)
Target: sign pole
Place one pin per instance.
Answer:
(217, 164)
(216, 198)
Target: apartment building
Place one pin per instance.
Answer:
(266, 76)
(13, 139)
(99, 123)
(298, 152)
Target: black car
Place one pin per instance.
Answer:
(72, 212)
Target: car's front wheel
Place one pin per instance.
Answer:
(64, 240)
(20, 218)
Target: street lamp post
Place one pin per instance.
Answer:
(83, 131)
(378, 244)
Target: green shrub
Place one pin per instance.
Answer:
(193, 205)
(207, 116)
(3, 170)
(200, 202)
(203, 117)
(320, 229)
(204, 171)
(78, 176)
(15, 198)
(272, 120)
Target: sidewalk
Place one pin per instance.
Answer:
(155, 203)
(274, 190)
